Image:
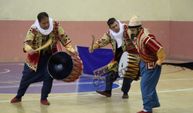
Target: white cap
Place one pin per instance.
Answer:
(134, 22)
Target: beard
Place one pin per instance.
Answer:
(133, 36)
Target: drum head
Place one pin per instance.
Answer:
(123, 63)
(60, 65)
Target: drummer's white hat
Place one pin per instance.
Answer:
(134, 22)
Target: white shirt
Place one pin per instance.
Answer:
(118, 36)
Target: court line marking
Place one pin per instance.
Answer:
(84, 83)
(5, 71)
(38, 84)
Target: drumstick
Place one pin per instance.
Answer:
(92, 44)
(48, 43)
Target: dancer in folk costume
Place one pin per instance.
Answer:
(152, 56)
(115, 36)
(40, 43)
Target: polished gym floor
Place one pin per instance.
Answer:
(175, 91)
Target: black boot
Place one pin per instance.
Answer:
(106, 93)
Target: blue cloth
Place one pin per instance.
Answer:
(95, 60)
(99, 58)
(149, 80)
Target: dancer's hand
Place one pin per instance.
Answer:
(32, 51)
(91, 49)
(159, 62)
(93, 46)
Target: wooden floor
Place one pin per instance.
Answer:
(175, 90)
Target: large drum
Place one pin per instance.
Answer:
(129, 66)
(65, 67)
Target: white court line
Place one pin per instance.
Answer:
(38, 85)
(8, 70)
(5, 71)
(82, 83)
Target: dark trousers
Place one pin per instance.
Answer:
(113, 76)
(125, 86)
(30, 76)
